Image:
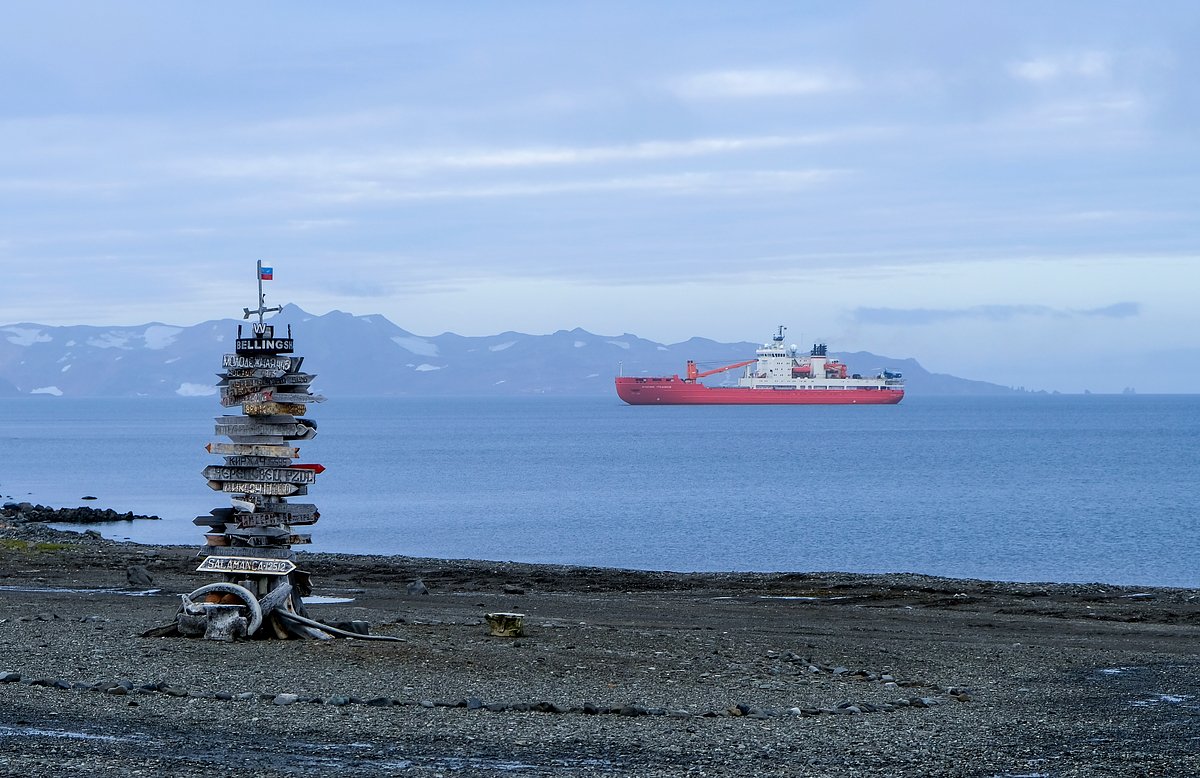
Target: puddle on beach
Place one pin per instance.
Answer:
(1162, 699)
(66, 590)
(1139, 683)
(315, 755)
(317, 600)
(63, 734)
(803, 598)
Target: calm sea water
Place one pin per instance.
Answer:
(1028, 488)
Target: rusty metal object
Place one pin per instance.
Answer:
(506, 625)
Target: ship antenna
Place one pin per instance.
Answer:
(779, 338)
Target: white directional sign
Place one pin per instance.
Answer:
(246, 564)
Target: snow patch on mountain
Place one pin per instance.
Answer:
(110, 340)
(502, 346)
(416, 345)
(159, 336)
(26, 336)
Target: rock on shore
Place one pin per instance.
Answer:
(24, 512)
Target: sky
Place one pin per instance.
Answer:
(1003, 191)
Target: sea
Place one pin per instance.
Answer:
(1017, 488)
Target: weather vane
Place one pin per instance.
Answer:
(264, 274)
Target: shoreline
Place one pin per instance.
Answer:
(85, 519)
(621, 672)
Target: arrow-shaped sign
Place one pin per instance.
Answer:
(273, 408)
(252, 450)
(246, 564)
(269, 475)
(254, 487)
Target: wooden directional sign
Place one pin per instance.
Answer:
(257, 461)
(263, 345)
(269, 475)
(255, 487)
(246, 564)
(297, 430)
(282, 418)
(250, 372)
(244, 387)
(313, 467)
(272, 378)
(292, 397)
(259, 362)
(266, 504)
(247, 520)
(277, 540)
(230, 398)
(271, 408)
(251, 450)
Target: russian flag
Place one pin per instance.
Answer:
(264, 274)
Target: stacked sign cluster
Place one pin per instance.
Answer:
(250, 542)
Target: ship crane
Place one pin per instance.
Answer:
(693, 373)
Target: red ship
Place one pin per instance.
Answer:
(776, 376)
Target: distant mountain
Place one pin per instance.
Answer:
(371, 356)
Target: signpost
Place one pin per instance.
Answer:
(250, 542)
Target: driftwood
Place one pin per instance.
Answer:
(224, 622)
(241, 592)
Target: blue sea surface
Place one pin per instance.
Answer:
(1028, 488)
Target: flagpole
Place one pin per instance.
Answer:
(261, 301)
(260, 328)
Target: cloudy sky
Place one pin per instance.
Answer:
(1005, 191)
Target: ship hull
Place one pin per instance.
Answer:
(676, 391)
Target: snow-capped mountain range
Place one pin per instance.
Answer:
(371, 356)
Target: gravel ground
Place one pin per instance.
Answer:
(620, 673)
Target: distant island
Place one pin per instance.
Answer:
(371, 356)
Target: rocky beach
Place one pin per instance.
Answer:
(619, 672)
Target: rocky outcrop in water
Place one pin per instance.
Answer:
(24, 512)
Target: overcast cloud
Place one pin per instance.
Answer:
(964, 183)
